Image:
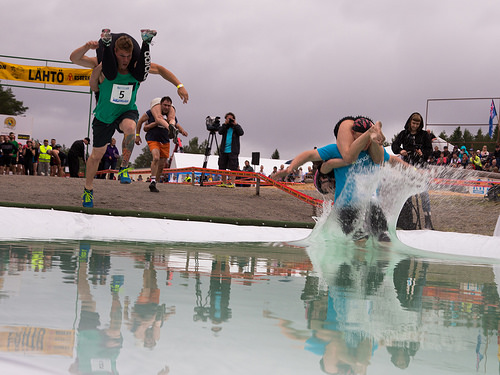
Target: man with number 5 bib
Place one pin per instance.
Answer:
(115, 110)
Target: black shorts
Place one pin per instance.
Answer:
(102, 132)
(5, 161)
(228, 161)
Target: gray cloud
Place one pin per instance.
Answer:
(288, 69)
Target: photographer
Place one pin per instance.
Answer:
(415, 146)
(231, 132)
(413, 143)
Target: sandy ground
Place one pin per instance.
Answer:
(451, 211)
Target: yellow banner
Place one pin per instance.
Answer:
(45, 74)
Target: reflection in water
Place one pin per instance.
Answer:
(96, 308)
(97, 349)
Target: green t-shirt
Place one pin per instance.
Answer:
(15, 149)
(116, 97)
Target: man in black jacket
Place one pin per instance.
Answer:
(76, 151)
(229, 150)
(414, 144)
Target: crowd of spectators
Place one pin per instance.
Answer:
(31, 158)
(481, 160)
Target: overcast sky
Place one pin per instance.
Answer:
(288, 69)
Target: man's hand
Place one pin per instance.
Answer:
(183, 94)
(92, 44)
(280, 174)
(376, 134)
(138, 140)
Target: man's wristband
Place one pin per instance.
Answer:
(180, 85)
(137, 135)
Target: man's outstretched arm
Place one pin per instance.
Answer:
(170, 77)
(78, 55)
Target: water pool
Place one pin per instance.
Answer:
(80, 307)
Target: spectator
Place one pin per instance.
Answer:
(6, 148)
(465, 160)
(20, 160)
(442, 160)
(436, 153)
(455, 161)
(302, 175)
(261, 171)
(55, 168)
(274, 172)
(484, 155)
(282, 169)
(475, 160)
(64, 161)
(493, 166)
(247, 167)
(44, 158)
(55, 160)
(446, 153)
(111, 157)
(14, 154)
(35, 160)
(231, 132)
(29, 157)
(77, 151)
(415, 146)
(496, 153)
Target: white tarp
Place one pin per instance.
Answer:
(61, 225)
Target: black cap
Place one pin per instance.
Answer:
(362, 124)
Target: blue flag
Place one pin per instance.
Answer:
(493, 114)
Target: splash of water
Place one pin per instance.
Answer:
(386, 187)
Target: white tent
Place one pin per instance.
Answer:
(440, 142)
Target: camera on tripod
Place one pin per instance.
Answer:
(213, 123)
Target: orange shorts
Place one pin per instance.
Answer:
(163, 147)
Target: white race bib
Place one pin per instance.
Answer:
(121, 94)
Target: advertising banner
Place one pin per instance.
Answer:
(45, 74)
(22, 126)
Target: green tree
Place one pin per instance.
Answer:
(9, 105)
(276, 154)
(193, 146)
(457, 137)
(480, 139)
(144, 159)
(468, 139)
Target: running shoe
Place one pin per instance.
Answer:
(231, 185)
(124, 177)
(152, 187)
(147, 35)
(106, 37)
(88, 198)
(173, 133)
(221, 185)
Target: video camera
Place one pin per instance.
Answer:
(213, 123)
